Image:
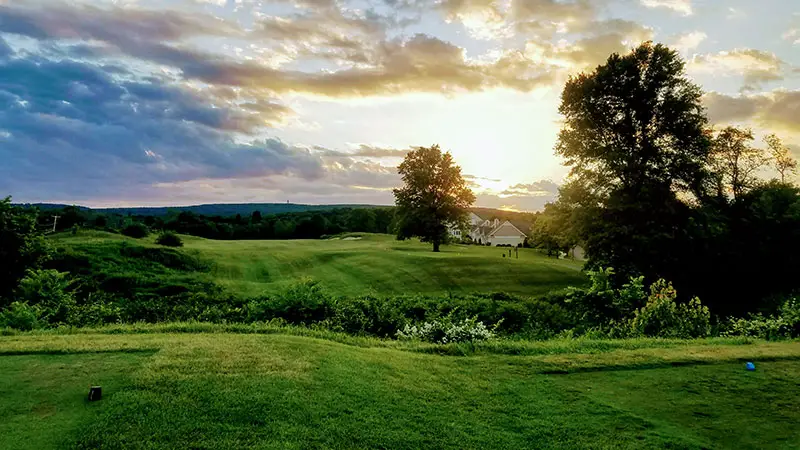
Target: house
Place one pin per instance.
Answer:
(577, 253)
(493, 231)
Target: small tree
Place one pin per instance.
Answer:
(782, 158)
(433, 198)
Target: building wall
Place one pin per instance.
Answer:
(513, 241)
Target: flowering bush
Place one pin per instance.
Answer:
(447, 331)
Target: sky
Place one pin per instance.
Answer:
(178, 102)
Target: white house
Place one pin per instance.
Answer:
(492, 232)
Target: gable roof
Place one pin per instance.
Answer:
(493, 232)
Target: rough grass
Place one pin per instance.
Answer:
(223, 390)
(376, 264)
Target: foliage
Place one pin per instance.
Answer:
(136, 230)
(447, 331)
(169, 239)
(662, 317)
(22, 247)
(635, 121)
(50, 291)
(784, 325)
(734, 162)
(782, 158)
(21, 316)
(434, 197)
(301, 303)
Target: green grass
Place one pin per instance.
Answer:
(223, 390)
(376, 264)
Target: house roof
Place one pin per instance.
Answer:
(512, 225)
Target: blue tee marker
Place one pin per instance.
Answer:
(750, 366)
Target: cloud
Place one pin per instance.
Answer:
(689, 41)
(755, 66)
(779, 109)
(419, 63)
(793, 34)
(544, 188)
(73, 128)
(682, 6)
(55, 19)
(5, 49)
(365, 150)
(610, 36)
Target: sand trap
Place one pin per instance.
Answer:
(351, 238)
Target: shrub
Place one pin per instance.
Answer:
(447, 331)
(169, 239)
(20, 316)
(301, 303)
(783, 326)
(49, 291)
(662, 317)
(99, 308)
(136, 230)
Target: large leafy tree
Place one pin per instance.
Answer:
(636, 120)
(434, 196)
(22, 247)
(635, 135)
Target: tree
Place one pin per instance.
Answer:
(635, 136)
(635, 120)
(22, 247)
(782, 158)
(256, 217)
(361, 219)
(735, 162)
(434, 196)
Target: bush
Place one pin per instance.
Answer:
(20, 316)
(169, 239)
(783, 326)
(447, 331)
(662, 317)
(99, 308)
(49, 291)
(136, 230)
(301, 303)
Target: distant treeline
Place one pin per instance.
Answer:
(292, 225)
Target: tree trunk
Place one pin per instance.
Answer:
(435, 246)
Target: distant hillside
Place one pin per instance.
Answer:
(220, 209)
(266, 209)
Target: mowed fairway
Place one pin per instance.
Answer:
(369, 264)
(233, 391)
(380, 264)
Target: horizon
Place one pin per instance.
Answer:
(114, 103)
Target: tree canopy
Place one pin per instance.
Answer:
(434, 196)
(653, 191)
(636, 120)
(22, 247)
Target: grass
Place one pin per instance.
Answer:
(215, 389)
(376, 264)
